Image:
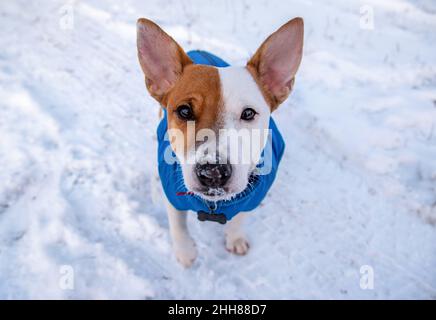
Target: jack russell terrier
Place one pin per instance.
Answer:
(205, 103)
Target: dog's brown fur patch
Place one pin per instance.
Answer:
(200, 87)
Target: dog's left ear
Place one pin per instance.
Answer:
(276, 61)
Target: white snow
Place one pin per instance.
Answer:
(357, 185)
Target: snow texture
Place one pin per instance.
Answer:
(356, 187)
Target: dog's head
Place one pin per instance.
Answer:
(208, 107)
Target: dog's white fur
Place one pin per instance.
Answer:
(239, 91)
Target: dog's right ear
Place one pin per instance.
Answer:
(162, 59)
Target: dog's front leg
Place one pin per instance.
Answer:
(236, 240)
(183, 245)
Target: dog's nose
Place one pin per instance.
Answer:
(213, 175)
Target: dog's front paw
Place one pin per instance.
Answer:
(185, 251)
(238, 245)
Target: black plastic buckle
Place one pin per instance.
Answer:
(216, 217)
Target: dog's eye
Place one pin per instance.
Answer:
(185, 112)
(248, 114)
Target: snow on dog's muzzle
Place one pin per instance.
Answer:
(213, 175)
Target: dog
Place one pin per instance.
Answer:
(203, 100)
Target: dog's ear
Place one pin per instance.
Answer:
(276, 61)
(162, 59)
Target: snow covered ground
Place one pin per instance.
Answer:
(356, 188)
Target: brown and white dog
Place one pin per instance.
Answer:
(216, 98)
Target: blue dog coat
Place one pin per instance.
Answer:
(223, 210)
